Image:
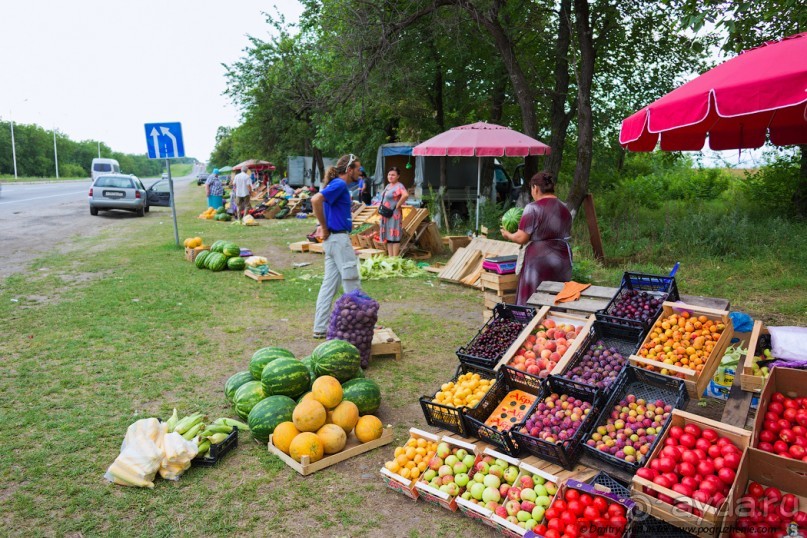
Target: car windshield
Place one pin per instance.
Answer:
(115, 182)
(102, 167)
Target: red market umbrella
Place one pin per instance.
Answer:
(480, 140)
(762, 91)
(255, 165)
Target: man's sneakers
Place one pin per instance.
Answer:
(319, 336)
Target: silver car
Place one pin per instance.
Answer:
(121, 191)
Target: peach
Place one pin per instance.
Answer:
(549, 323)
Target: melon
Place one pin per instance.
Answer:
(333, 438)
(306, 444)
(309, 415)
(284, 434)
(345, 415)
(369, 428)
(327, 390)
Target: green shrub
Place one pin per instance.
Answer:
(72, 170)
(770, 189)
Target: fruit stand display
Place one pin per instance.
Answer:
(494, 339)
(686, 342)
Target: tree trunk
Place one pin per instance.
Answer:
(585, 123)
(317, 164)
(439, 83)
(800, 196)
(499, 94)
(559, 119)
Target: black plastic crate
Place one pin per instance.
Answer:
(626, 340)
(447, 417)
(646, 385)
(217, 451)
(521, 314)
(507, 381)
(564, 453)
(663, 287)
(644, 525)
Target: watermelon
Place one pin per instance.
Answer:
(267, 414)
(246, 397)
(231, 250)
(336, 358)
(365, 393)
(220, 209)
(236, 264)
(359, 374)
(217, 246)
(285, 376)
(309, 363)
(200, 259)
(218, 262)
(209, 258)
(511, 218)
(264, 356)
(235, 381)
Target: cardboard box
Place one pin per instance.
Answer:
(400, 484)
(765, 469)
(696, 382)
(710, 523)
(793, 384)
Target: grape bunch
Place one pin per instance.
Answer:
(636, 305)
(598, 367)
(494, 340)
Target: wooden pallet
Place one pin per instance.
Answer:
(366, 253)
(317, 248)
(591, 299)
(352, 448)
(386, 342)
(272, 275)
(365, 214)
(300, 246)
(467, 261)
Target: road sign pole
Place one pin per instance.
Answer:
(173, 204)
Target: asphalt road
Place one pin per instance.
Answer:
(37, 218)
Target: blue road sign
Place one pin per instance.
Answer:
(164, 140)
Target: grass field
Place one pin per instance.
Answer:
(128, 329)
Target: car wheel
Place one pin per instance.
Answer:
(148, 207)
(93, 210)
(141, 212)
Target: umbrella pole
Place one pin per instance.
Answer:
(478, 191)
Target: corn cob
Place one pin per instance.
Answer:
(194, 431)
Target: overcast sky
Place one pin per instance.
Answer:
(101, 69)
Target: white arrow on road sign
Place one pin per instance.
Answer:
(155, 135)
(167, 132)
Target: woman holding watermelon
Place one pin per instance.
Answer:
(544, 231)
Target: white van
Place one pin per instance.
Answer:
(104, 166)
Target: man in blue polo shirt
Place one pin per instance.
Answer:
(332, 208)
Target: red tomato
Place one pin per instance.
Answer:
(554, 524)
(755, 490)
(710, 435)
(572, 495)
(778, 397)
(615, 509)
(551, 513)
(666, 464)
(568, 517)
(551, 533)
(790, 414)
(600, 504)
(732, 460)
(591, 513)
(767, 436)
(560, 505)
(714, 450)
(575, 507)
(688, 440)
(776, 407)
(571, 530)
(586, 499)
(693, 430)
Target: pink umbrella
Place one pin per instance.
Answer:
(761, 91)
(480, 140)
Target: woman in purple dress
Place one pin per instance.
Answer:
(545, 229)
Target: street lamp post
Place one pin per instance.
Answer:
(55, 154)
(13, 149)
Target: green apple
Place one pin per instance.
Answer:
(469, 460)
(530, 524)
(540, 490)
(461, 453)
(476, 490)
(523, 515)
(501, 463)
(491, 494)
(466, 495)
(538, 479)
(452, 489)
(510, 475)
(443, 450)
(451, 460)
(462, 479)
(528, 494)
(436, 482)
(551, 488)
(460, 468)
(538, 512)
(429, 475)
(542, 501)
(444, 470)
(492, 481)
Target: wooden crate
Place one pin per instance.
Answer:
(456, 242)
(696, 382)
(440, 498)
(501, 284)
(591, 299)
(711, 522)
(317, 248)
(492, 299)
(562, 317)
(191, 253)
(396, 482)
(385, 342)
(749, 381)
(300, 246)
(272, 275)
(365, 253)
(353, 448)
